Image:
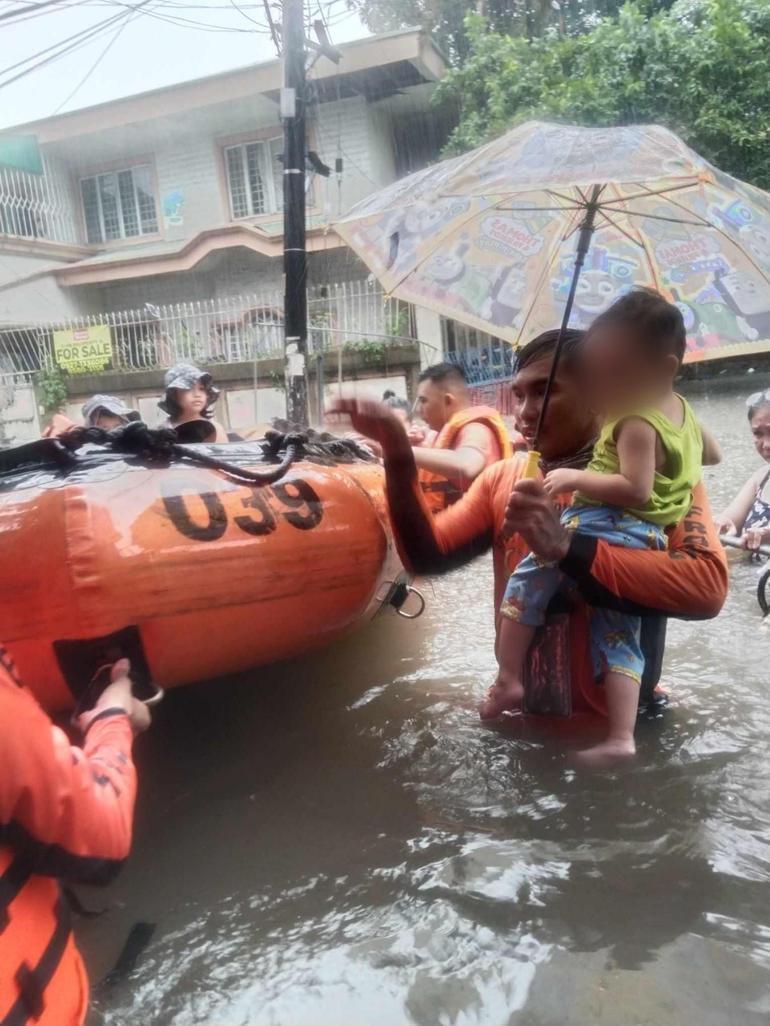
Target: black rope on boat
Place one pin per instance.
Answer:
(161, 446)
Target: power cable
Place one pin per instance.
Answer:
(98, 60)
(32, 7)
(72, 42)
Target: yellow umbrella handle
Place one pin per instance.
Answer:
(532, 467)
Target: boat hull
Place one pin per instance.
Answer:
(188, 573)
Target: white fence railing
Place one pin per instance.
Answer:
(37, 206)
(347, 315)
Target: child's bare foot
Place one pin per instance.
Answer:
(505, 695)
(607, 753)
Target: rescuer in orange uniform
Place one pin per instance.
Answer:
(468, 438)
(514, 516)
(65, 814)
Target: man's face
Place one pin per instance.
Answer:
(569, 424)
(433, 404)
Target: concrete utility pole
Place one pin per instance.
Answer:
(294, 254)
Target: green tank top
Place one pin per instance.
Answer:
(672, 490)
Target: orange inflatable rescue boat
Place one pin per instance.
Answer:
(191, 571)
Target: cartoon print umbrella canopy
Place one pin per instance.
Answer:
(488, 238)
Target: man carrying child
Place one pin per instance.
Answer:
(687, 579)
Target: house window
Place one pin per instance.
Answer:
(254, 178)
(119, 204)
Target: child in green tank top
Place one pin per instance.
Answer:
(645, 465)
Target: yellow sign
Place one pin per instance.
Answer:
(83, 350)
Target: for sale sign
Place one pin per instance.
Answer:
(83, 350)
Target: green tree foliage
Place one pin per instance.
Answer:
(445, 19)
(701, 68)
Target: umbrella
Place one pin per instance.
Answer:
(502, 238)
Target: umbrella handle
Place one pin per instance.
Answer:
(532, 466)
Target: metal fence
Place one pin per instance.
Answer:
(37, 206)
(483, 357)
(343, 316)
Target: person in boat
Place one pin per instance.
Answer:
(107, 412)
(465, 439)
(748, 515)
(65, 816)
(399, 406)
(189, 403)
(103, 411)
(645, 464)
(513, 516)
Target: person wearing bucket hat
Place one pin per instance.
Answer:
(190, 397)
(108, 412)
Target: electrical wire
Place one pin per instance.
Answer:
(35, 6)
(161, 15)
(98, 60)
(248, 17)
(72, 42)
(175, 19)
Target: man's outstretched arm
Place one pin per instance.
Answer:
(689, 580)
(426, 544)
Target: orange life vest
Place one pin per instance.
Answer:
(64, 813)
(42, 978)
(440, 491)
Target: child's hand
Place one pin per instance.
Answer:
(754, 538)
(724, 525)
(557, 482)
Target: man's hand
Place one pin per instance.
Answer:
(372, 419)
(562, 481)
(417, 435)
(532, 514)
(118, 695)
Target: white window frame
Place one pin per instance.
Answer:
(273, 201)
(116, 171)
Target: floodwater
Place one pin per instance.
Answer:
(337, 841)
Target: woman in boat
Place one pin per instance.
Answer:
(107, 412)
(189, 399)
(748, 515)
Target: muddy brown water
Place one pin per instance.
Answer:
(337, 841)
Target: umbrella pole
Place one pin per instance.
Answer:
(584, 241)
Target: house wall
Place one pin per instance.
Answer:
(29, 293)
(229, 273)
(188, 185)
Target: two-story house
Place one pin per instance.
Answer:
(160, 214)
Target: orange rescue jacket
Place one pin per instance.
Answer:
(65, 813)
(441, 492)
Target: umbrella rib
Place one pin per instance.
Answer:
(545, 273)
(622, 231)
(642, 241)
(654, 192)
(567, 199)
(537, 210)
(703, 223)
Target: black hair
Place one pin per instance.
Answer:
(441, 372)
(658, 324)
(543, 345)
(392, 400)
(170, 403)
